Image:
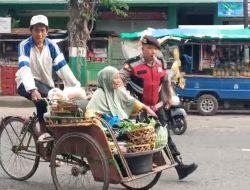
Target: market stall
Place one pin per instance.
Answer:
(216, 63)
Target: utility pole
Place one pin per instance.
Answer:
(245, 5)
(246, 48)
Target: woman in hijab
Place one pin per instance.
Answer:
(112, 98)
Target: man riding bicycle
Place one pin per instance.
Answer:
(38, 57)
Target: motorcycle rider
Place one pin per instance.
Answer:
(146, 77)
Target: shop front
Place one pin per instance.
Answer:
(217, 75)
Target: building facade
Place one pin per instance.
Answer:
(142, 14)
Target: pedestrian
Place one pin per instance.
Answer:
(38, 58)
(146, 77)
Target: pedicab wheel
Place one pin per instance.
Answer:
(19, 161)
(143, 183)
(73, 159)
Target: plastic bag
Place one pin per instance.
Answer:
(112, 120)
(161, 137)
(56, 94)
(74, 93)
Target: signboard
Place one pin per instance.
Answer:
(5, 25)
(230, 9)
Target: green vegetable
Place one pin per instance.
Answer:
(127, 125)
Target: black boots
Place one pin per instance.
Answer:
(184, 170)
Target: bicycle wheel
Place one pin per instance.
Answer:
(143, 183)
(18, 160)
(76, 160)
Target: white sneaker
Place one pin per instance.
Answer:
(45, 137)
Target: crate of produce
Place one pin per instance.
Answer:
(142, 135)
(61, 107)
(8, 91)
(62, 112)
(6, 70)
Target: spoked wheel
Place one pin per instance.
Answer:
(143, 183)
(179, 125)
(78, 162)
(18, 160)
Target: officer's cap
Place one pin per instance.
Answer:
(150, 40)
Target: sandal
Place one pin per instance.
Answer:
(45, 137)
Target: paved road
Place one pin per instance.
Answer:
(219, 144)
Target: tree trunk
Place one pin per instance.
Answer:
(79, 34)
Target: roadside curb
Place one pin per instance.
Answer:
(15, 102)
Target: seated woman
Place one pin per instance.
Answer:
(112, 98)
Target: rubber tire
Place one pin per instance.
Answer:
(37, 158)
(93, 142)
(208, 98)
(183, 127)
(148, 186)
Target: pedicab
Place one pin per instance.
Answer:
(81, 155)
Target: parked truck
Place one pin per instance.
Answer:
(208, 94)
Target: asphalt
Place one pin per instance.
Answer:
(15, 102)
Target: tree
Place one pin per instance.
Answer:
(83, 14)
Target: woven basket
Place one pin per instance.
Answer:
(64, 120)
(64, 106)
(143, 135)
(138, 148)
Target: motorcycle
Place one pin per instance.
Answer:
(175, 117)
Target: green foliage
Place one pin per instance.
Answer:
(83, 14)
(127, 125)
(15, 23)
(116, 6)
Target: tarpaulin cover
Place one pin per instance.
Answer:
(193, 34)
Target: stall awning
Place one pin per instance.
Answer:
(194, 34)
(34, 2)
(168, 1)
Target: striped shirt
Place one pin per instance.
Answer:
(34, 64)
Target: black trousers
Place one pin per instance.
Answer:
(41, 106)
(161, 113)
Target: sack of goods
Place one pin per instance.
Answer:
(161, 137)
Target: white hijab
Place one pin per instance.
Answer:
(117, 102)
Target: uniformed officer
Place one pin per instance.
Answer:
(146, 77)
